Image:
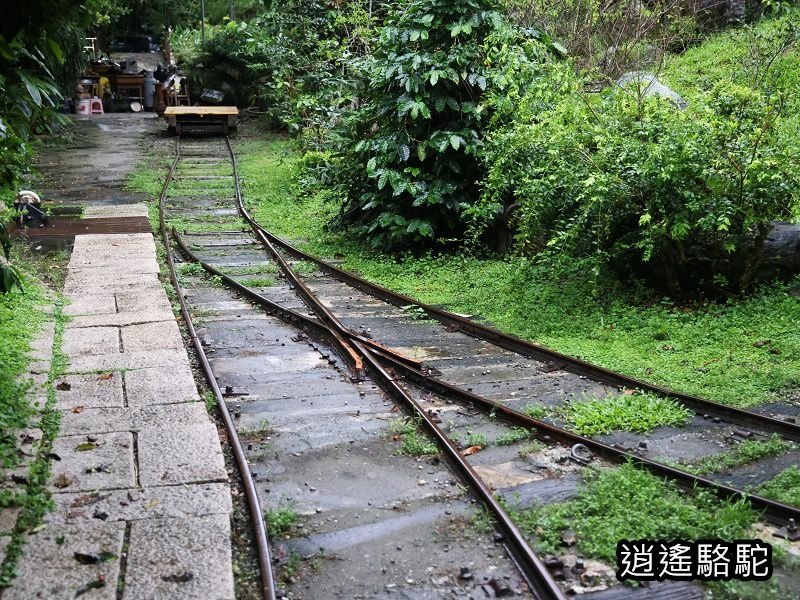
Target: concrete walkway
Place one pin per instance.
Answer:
(141, 491)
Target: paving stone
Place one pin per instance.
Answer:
(5, 540)
(122, 319)
(74, 288)
(182, 454)
(39, 366)
(109, 465)
(136, 504)
(92, 304)
(87, 341)
(42, 344)
(94, 258)
(124, 210)
(151, 336)
(106, 278)
(94, 390)
(48, 567)
(105, 420)
(110, 239)
(158, 386)
(143, 300)
(8, 519)
(174, 359)
(98, 268)
(164, 552)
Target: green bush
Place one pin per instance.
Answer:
(683, 198)
(293, 61)
(407, 160)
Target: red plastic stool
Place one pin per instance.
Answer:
(95, 106)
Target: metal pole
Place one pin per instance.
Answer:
(203, 21)
(231, 10)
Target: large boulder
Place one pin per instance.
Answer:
(649, 85)
(781, 252)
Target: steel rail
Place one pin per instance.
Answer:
(539, 579)
(292, 317)
(790, 431)
(519, 550)
(268, 586)
(774, 511)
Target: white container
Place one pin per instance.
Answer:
(84, 107)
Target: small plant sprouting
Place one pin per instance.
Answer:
(280, 520)
(513, 435)
(414, 443)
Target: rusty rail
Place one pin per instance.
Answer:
(268, 586)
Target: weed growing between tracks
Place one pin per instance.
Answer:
(743, 352)
(280, 521)
(744, 453)
(638, 412)
(627, 503)
(415, 443)
(784, 487)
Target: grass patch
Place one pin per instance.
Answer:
(414, 442)
(20, 320)
(627, 504)
(535, 411)
(712, 350)
(260, 269)
(475, 438)
(513, 435)
(280, 521)
(784, 487)
(260, 430)
(35, 502)
(258, 282)
(746, 452)
(192, 268)
(637, 412)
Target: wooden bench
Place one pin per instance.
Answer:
(199, 116)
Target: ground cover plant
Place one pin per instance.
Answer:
(414, 442)
(743, 453)
(20, 319)
(629, 504)
(639, 412)
(784, 487)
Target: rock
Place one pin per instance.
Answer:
(781, 252)
(651, 86)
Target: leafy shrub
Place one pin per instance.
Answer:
(407, 159)
(292, 61)
(684, 198)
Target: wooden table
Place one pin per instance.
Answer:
(123, 81)
(180, 116)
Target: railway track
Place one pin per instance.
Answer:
(462, 381)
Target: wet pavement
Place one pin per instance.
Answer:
(140, 487)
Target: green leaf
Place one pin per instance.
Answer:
(384, 177)
(33, 90)
(56, 50)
